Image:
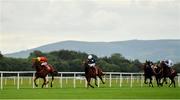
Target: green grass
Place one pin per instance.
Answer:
(96, 93)
(80, 92)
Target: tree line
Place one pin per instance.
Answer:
(71, 61)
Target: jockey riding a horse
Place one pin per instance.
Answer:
(43, 60)
(169, 64)
(92, 63)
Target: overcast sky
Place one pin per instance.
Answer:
(26, 24)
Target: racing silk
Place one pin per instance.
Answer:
(169, 63)
(42, 59)
(91, 62)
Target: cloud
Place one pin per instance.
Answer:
(37, 22)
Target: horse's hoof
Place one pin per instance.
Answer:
(36, 85)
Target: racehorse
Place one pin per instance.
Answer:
(91, 73)
(42, 72)
(148, 72)
(167, 72)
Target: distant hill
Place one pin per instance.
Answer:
(132, 49)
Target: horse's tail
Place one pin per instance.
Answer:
(100, 72)
(55, 73)
(173, 73)
(53, 70)
(103, 73)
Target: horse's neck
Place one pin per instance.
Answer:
(39, 68)
(86, 67)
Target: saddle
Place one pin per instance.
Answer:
(47, 67)
(95, 70)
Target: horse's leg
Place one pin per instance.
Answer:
(89, 82)
(172, 82)
(95, 81)
(145, 79)
(150, 83)
(101, 79)
(52, 80)
(36, 77)
(157, 80)
(44, 83)
(164, 79)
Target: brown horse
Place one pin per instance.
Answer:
(148, 72)
(42, 72)
(167, 72)
(90, 72)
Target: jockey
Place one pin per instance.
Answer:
(43, 61)
(168, 63)
(92, 62)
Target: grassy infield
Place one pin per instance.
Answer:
(103, 92)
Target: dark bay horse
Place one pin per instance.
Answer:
(148, 72)
(91, 73)
(167, 72)
(42, 72)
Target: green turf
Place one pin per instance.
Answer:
(80, 92)
(96, 93)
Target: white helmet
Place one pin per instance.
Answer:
(90, 57)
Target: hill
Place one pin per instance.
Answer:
(132, 49)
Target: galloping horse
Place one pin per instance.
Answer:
(91, 73)
(167, 73)
(148, 72)
(42, 72)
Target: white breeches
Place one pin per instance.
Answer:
(92, 65)
(44, 64)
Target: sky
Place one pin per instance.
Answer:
(26, 24)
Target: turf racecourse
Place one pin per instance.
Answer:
(96, 93)
(68, 91)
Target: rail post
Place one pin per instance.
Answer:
(74, 81)
(61, 79)
(110, 80)
(1, 81)
(18, 80)
(131, 80)
(33, 80)
(120, 80)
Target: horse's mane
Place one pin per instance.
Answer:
(37, 66)
(147, 68)
(86, 66)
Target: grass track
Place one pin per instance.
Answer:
(96, 93)
(104, 92)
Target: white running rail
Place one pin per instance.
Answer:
(108, 75)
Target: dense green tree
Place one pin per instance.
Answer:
(65, 60)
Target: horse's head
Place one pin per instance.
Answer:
(86, 66)
(36, 64)
(162, 64)
(148, 64)
(148, 67)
